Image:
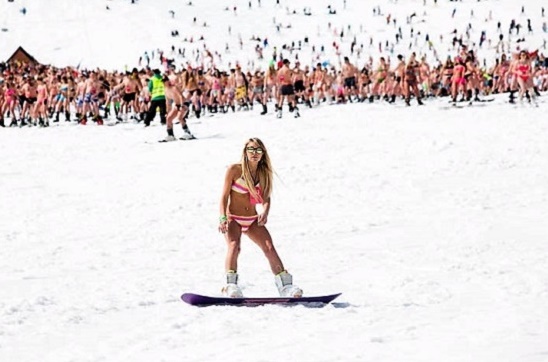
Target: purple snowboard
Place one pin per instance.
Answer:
(203, 301)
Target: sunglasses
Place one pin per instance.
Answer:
(257, 150)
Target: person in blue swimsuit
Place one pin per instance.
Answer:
(247, 184)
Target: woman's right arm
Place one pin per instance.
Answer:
(223, 205)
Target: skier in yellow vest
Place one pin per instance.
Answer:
(157, 98)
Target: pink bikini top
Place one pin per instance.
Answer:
(240, 187)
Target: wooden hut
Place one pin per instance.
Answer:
(22, 56)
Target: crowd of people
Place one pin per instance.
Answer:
(37, 95)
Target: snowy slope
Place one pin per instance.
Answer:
(431, 222)
(72, 32)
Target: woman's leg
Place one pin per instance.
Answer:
(261, 237)
(522, 88)
(233, 238)
(283, 280)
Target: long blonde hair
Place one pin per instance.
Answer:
(264, 172)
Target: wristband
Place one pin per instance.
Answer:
(223, 219)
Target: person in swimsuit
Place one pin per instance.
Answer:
(247, 184)
(349, 72)
(285, 79)
(176, 109)
(40, 108)
(410, 81)
(524, 76)
(129, 87)
(458, 81)
(10, 101)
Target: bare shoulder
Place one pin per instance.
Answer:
(235, 170)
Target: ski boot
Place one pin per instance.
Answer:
(232, 290)
(296, 112)
(284, 282)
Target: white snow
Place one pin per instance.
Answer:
(431, 222)
(66, 32)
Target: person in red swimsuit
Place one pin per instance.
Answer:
(524, 76)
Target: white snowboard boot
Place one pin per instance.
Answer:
(284, 282)
(186, 136)
(232, 290)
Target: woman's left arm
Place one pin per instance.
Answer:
(263, 216)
